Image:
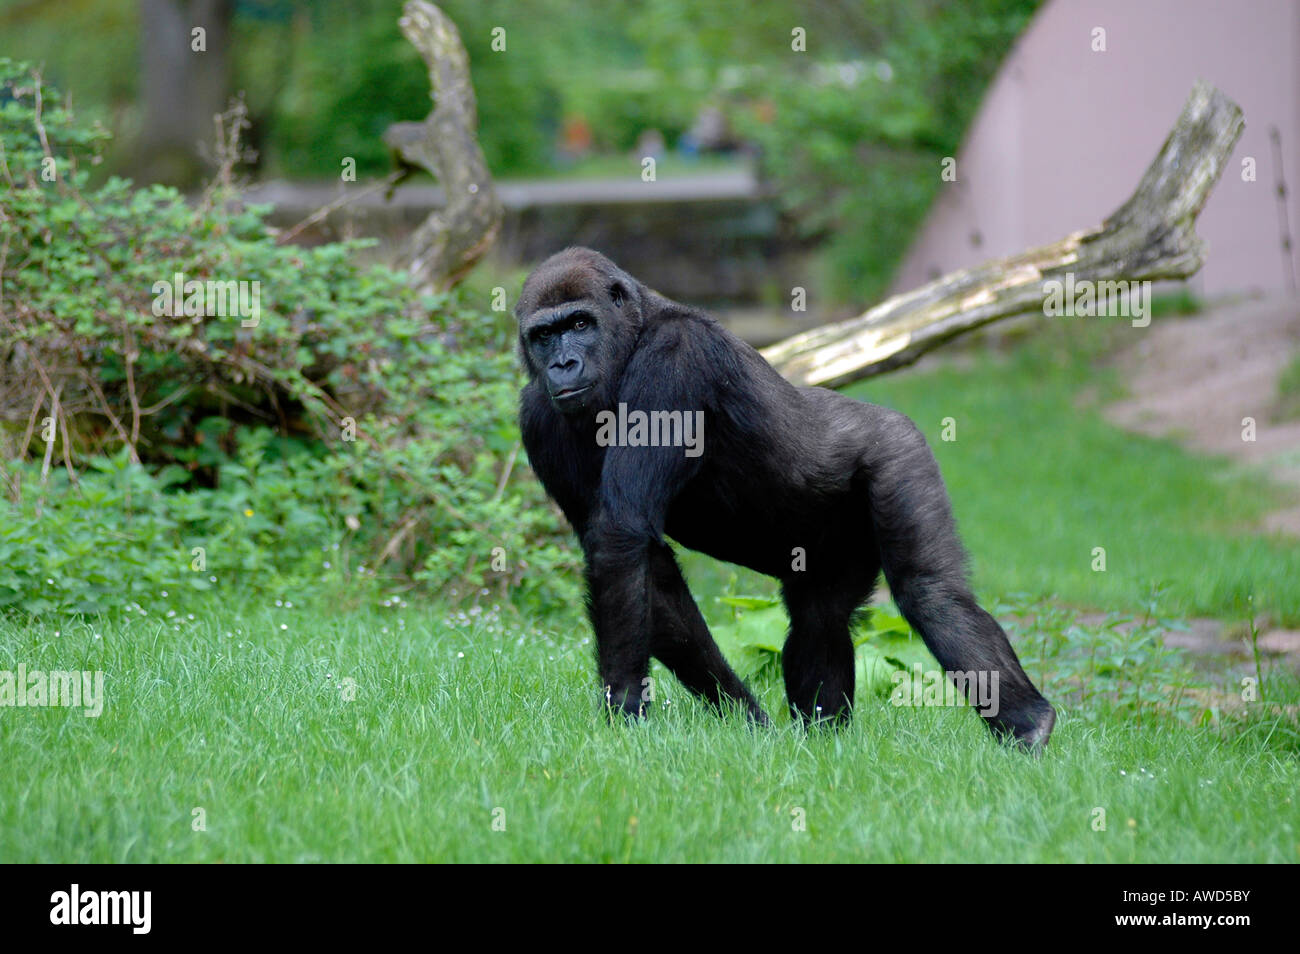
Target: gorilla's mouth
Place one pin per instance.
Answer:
(571, 400)
(568, 393)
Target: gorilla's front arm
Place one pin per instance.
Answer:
(625, 525)
(627, 521)
(640, 605)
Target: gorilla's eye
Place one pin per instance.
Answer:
(542, 334)
(580, 324)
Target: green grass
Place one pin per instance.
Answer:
(252, 728)
(1038, 478)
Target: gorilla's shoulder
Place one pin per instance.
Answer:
(670, 320)
(688, 333)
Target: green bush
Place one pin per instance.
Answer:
(351, 413)
(857, 161)
(1288, 391)
(345, 86)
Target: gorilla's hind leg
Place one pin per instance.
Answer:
(818, 657)
(925, 567)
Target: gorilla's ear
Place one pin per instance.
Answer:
(617, 293)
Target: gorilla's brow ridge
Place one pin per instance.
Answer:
(558, 315)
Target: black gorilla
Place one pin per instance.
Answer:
(728, 458)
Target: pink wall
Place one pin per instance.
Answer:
(1064, 133)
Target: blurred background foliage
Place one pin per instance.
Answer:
(850, 133)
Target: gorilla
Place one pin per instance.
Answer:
(646, 419)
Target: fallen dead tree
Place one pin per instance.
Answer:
(1151, 236)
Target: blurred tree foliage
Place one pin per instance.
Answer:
(852, 130)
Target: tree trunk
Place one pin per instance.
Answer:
(182, 89)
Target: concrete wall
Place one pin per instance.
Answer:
(1064, 134)
(710, 239)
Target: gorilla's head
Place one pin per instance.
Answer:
(579, 319)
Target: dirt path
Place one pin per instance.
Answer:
(1195, 379)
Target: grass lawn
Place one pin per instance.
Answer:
(331, 734)
(452, 722)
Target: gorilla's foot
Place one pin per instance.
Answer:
(822, 716)
(623, 705)
(1029, 728)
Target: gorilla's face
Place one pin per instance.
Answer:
(565, 347)
(578, 320)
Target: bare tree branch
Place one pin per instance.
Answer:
(452, 239)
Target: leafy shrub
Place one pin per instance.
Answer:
(122, 537)
(350, 412)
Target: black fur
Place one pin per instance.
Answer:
(852, 484)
